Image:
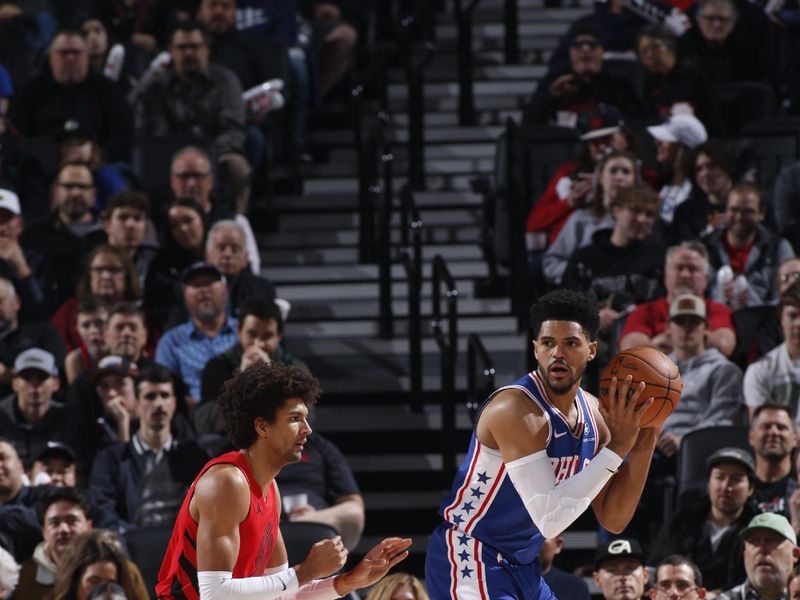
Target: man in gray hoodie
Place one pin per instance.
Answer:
(712, 385)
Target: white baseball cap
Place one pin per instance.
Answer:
(9, 201)
(684, 128)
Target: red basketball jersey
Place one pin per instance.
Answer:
(258, 533)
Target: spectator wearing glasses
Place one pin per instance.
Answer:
(192, 177)
(111, 276)
(677, 578)
(562, 96)
(193, 97)
(70, 90)
(68, 232)
(775, 377)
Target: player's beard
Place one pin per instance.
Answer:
(559, 389)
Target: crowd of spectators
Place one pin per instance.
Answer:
(127, 303)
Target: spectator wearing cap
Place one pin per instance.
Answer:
(561, 583)
(193, 97)
(226, 250)
(675, 139)
(622, 265)
(677, 578)
(615, 171)
(770, 552)
(712, 385)
(773, 439)
(619, 570)
(707, 530)
(69, 90)
(62, 513)
(125, 223)
(685, 271)
(142, 482)
(55, 465)
(671, 84)
(601, 131)
(17, 335)
(775, 377)
(30, 417)
(114, 383)
(562, 95)
(24, 267)
(78, 143)
(65, 235)
(185, 349)
(191, 177)
(748, 248)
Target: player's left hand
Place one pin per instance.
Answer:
(374, 566)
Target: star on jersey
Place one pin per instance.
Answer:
(467, 508)
(483, 477)
(466, 572)
(464, 555)
(477, 493)
(463, 540)
(458, 519)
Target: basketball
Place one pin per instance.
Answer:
(660, 375)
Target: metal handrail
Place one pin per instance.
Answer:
(448, 352)
(386, 319)
(416, 115)
(511, 21)
(476, 350)
(411, 257)
(466, 92)
(515, 191)
(370, 152)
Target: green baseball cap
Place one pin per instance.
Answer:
(775, 522)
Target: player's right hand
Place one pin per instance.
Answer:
(324, 559)
(623, 412)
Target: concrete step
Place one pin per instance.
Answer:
(433, 182)
(349, 290)
(471, 150)
(503, 73)
(348, 220)
(334, 255)
(449, 118)
(370, 329)
(450, 89)
(369, 309)
(345, 201)
(319, 274)
(433, 135)
(308, 239)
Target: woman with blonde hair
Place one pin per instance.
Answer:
(398, 586)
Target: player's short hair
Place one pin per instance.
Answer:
(566, 305)
(676, 560)
(259, 391)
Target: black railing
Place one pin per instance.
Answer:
(466, 92)
(516, 192)
(511, 20)
(415, 75)
(370, 152)
(448, 352)
(476, 394)
(386, 320)
(411, 257)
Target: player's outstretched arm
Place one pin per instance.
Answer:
(615, 504)
(374, 566)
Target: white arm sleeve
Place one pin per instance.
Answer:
(553, 507)
(278, 584)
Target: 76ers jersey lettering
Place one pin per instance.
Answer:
(484, 504)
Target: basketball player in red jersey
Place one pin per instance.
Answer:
(226, 543)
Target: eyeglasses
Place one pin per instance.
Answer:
(581, 44)
(789, 277)
(70, 51)
(681, 587)
(106, 270)
(191, 175)
(67, 185)
(193, 47)
(721, 19)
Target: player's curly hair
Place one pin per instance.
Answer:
(566, 305)
(259, 391)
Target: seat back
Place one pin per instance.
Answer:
(146, 547)
(698, 445)
(743, 102)
(748, 321)
(774, 144)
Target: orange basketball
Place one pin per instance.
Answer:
(660, 375)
